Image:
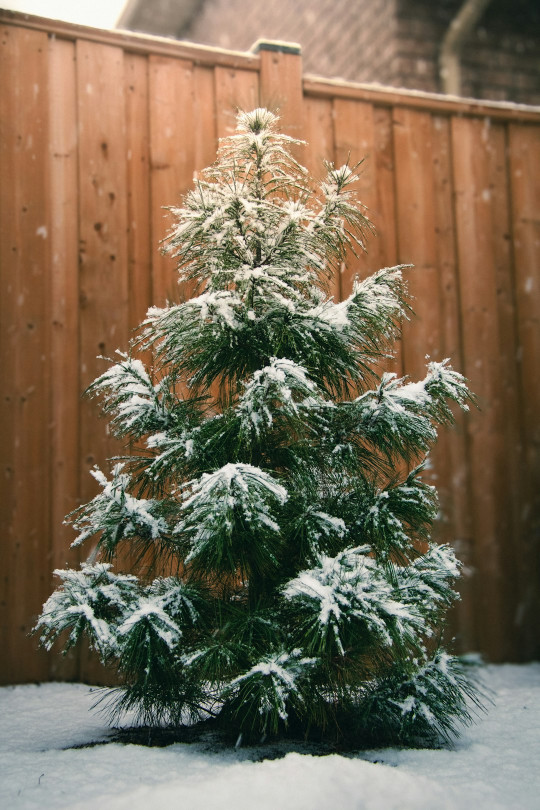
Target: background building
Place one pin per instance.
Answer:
(392, 42)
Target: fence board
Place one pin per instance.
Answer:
(64, 297)
(103, 248)
(235, 90)
(416, 235)
(354, 138)
(450, 456)
(510, 435)
(319, 138)
(524, 179)
(281, 89)
(204, 118)
(139, 215)
(384, 216)
(64, 292)
(103, 229)
(449, 191)
(171, 160)
(481, 344)
(9, 271)
(25, 353)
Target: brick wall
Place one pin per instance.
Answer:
(499, 62)
(393, 42)
(420, 28)
(339, 38)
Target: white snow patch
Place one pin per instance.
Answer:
(493, 767)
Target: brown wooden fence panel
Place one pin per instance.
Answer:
(450, 456)
(524, 179)
(139, 214)
(235, 89)
(64, 297)
(25, 353)
(101, 130)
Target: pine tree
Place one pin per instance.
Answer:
(277, 481)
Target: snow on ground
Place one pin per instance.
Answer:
(494, 766)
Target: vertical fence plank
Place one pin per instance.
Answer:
(138, 187)
(281, 86)
(235, 90)
(10, 270)
(25, 349)
(103, 230)
(483, 345)
(171, 161)
(64, 292)
(454, 523)
(204, 118)
(425, 234)
(318, 133)
(416, 235)
(524, 173)
(510, 539)
(103, 249)
(138, 215)
(385, 214)
(354, 133)
(416, 245)
(319, 136)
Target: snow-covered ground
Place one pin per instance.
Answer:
(496, 763)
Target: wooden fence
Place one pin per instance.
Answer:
(100, 130)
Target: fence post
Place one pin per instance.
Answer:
(281, 83)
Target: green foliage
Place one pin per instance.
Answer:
(276, 476)
(418, 706)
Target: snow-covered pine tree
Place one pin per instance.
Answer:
(303, 594)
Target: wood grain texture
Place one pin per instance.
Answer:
(171, 95)
(64, 296)
(281, 90)
(356, 145)
(25, 350)
(450, 455)
(486, 334)
(139, 215)
(416, 236)
(204, 117)
(103, 254)
(524, 182)
(318, 150)
(234, 90)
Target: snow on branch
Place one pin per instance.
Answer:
(349, 587)
(131, 399)
(270, 686)
(115, 514)
(401, 417)
(226, 510)
(394, 514)
(92, 600)
(428, 580)
(282, 386)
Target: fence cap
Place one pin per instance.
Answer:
(276, 45)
